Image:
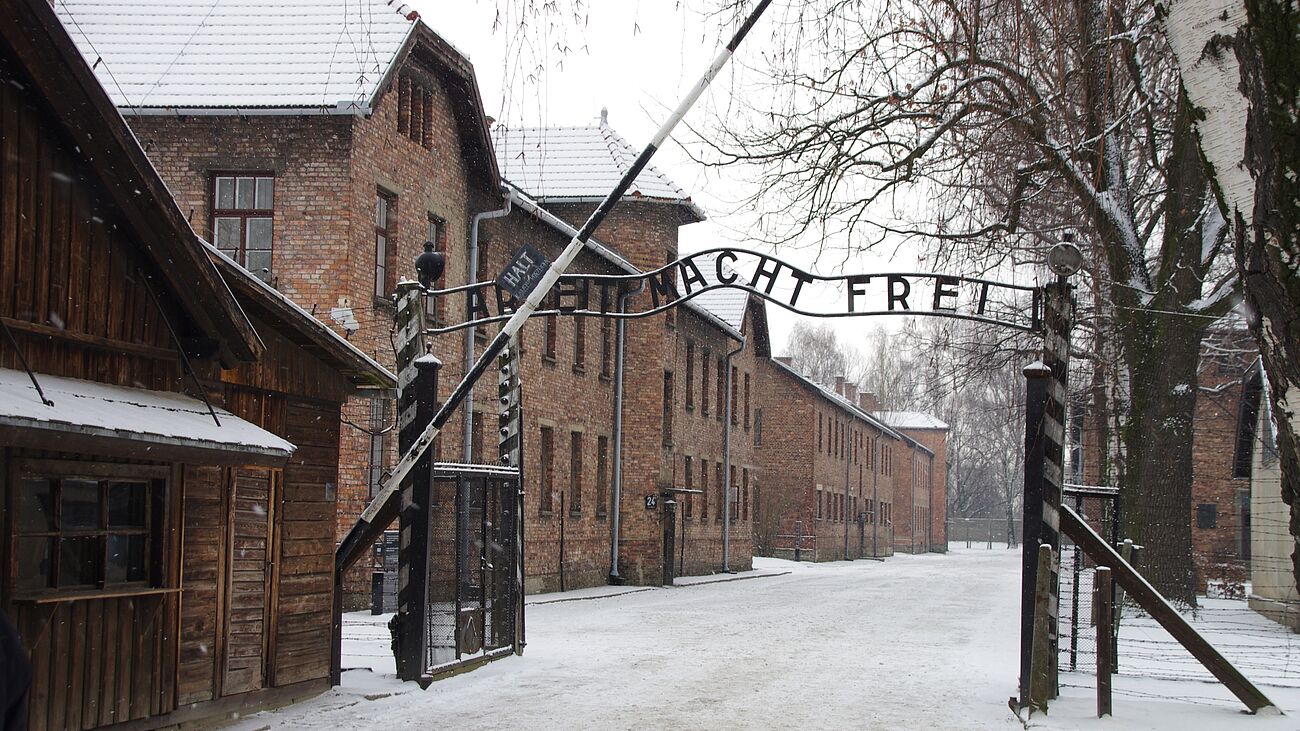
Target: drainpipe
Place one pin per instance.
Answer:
(912, 537)
(471, 277)
(848, 461)
(875, 498)
(726, 466)
(617, 487)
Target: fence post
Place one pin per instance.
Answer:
(1102, 598)
(1041, 680)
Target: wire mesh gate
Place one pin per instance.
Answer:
(475, 589)
(1099, 507)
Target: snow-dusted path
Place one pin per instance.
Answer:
(925, 642)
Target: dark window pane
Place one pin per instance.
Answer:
(80, 505)
(125, 559)
(259, 263)
(35, 507)
(244, 193)
(259, 234)
(225, 193)
(126, 504)
(33, 564)
(79, 561)
(265, 193)
(225, 234)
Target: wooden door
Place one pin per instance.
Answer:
(249, 600)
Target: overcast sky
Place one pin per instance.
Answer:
(636, 58)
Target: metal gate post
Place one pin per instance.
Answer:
(417, 402)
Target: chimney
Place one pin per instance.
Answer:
(851, 391)
(868, 402)
(785, 360)
(839, 385)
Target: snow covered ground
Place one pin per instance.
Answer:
(914, 642)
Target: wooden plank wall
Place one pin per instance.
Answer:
(97, 662)
(204, 578)
(302, 644)
(70, 276)
(248, 589)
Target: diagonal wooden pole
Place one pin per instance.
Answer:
(363, 533)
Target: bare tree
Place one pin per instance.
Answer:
(818, 353)
(1018, 118)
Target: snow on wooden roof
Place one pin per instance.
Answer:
(910, 420)
(579, 165)
(96, 409)
(245, 54)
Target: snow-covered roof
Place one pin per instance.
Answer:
(579, 165)
(244, 54)
(719, 310)
(98, 409)
(305, 319)
(726, 303)
(910, 420)
(840, 401)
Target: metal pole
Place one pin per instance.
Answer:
(471, 277)
(383, 504)
(875, 501)
(848, 454)
(616, 489)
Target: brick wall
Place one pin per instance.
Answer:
(815, 446)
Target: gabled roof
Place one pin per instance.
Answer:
(65, 81)
(841, 402)
(538, 211)
(911, 420)
(179, 54)
(581, 165)
(301, 328)
(254, 58)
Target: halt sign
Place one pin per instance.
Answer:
(524, 271)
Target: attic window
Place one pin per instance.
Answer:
(415, 111)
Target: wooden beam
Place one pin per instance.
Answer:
(1137, 587)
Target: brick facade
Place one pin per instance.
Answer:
(328, 171)
(832, 475)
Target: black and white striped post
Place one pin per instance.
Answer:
(367, 527)
(417, 395)
(1046, 383)
(509, 451)
(508, 392)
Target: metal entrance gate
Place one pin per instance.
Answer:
(475, 588)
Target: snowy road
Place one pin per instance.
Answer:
(924, 642)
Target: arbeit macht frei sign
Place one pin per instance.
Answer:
(849, 295)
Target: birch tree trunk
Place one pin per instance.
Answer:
(1240, 63)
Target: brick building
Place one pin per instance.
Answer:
(324, 173)
(925, 480)
(840, 482)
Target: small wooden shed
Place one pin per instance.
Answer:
(169, 427)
